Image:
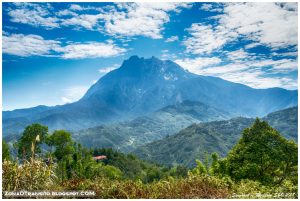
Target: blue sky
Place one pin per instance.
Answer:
(53, 52)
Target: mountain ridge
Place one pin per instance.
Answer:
(217, 136)
(141, 86)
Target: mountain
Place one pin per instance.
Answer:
(216, 136)
(141, 86)
(126, 136)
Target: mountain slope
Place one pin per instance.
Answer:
(141, 86)
(126, 136)
(217, 136)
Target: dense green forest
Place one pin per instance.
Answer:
(262, 164)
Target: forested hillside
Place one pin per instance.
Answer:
(217, 136)
(127, 136)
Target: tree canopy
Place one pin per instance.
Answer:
(33, 134)
(63, 143)
(263, 155)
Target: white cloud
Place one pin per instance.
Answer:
(105, 70)
(33, 14)
(66, 100)
(196, 65)
(238, 55)
(120, 20)
(165, 55)
(267, 23)
(257, 79)
(204, 39)
(74, 93)
(66, 12)
(28, 45)
(271, 24)
(211, 7)
(84, 20)
(285, 54)
(252, 45)
(75, 7)
(283, 65)
(90, 50)
(206, 7)
(262, 73)
(144, 19)
(40, 14)
(172, 39)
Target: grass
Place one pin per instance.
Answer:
(36, 175)
(188, 188)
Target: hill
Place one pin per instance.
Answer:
(217, 136)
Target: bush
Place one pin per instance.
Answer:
(195, 186)
(107, 171)
(33, 175)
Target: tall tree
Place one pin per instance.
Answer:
(262, 154)
(63, 143)
(33, 136)
(64, 150)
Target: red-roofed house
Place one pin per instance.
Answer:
(99, 157)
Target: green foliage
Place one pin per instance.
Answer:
(215, 165)
(263, 155)
(28, 143)
(179, 171)
(110, 172)
(220, 168)
(132, 167)
(200, 169)
(5, 151)
(63, 143)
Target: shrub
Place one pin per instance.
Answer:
(195, 186)
(33, 175)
